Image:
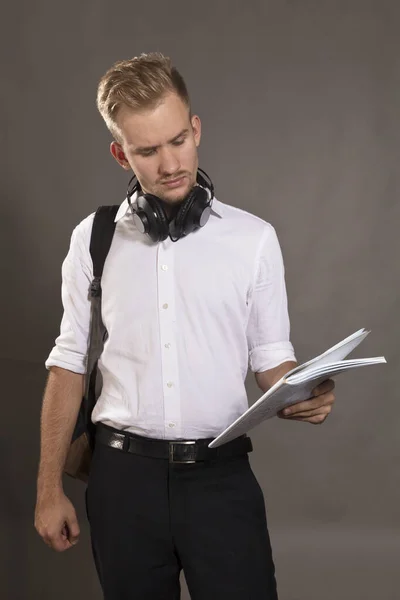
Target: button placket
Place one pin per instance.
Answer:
(169, 359)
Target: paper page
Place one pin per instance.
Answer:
(332, 369)
(335, 353)
(279, 397)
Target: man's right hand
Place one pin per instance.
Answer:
(56, 521)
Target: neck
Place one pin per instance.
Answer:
(171, 209)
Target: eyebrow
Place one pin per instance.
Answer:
(174, 139)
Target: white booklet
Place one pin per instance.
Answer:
(298, 384)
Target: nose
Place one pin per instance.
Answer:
(169, 163)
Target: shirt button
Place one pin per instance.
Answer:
(171, 425)
(168, 345)
(165, 305)
(170, 384)
(165, 267)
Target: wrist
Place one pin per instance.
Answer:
(49, 485)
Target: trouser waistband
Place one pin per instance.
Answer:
(175, 451)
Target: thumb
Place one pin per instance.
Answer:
(73, 529)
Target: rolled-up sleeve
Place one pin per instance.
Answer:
(70, 350)
(268, 327)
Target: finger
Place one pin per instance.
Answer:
(326, 386)
(62, 546)
(72, 529)
(315, 420)
(57, 543)
(300, 407)
(323, 410)
(323, 400)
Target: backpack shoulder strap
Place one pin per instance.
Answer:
(100, 242)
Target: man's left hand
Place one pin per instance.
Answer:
(315, 409)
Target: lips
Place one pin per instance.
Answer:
(173, 182)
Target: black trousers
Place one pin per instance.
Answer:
(149, 519)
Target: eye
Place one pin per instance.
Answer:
(179, 142)
(148, 153)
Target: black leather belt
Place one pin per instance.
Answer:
(175, 451)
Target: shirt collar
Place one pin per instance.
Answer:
(216, 207)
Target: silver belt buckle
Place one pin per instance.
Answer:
(171, 452)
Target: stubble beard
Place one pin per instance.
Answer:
(172, 200)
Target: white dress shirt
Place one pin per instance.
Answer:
(185, 321)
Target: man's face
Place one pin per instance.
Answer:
(160, 145)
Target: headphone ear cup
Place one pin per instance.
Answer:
(157, 222)
(181, 216)
(189, 216)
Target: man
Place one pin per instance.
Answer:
(184, 320)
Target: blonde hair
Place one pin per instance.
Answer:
(139, 83)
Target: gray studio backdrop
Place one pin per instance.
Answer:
(300, 107)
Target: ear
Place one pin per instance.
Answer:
(119, 155)
(196, 126)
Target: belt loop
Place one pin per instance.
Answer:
(125, 446)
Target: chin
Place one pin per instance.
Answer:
(175, 196)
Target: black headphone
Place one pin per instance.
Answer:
(150, 217)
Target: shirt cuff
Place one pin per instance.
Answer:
(270, 355)
(66, 360)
